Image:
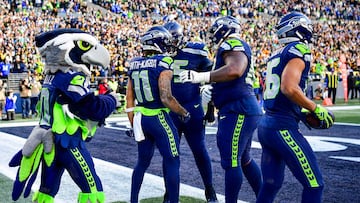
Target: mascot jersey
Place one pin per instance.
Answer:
(275, 102)
(237, 95)
(71, 90)
(194, 56)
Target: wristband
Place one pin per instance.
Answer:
(128, 110)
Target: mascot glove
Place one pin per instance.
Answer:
(205, 92)
(323, 115)
(29, 158)
(194, 77)
(38, 136)
(117, 98)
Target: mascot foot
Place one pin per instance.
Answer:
(40, 197)
(97, 197)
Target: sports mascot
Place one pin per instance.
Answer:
(69, 116)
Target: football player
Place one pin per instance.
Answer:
(235, 99)
(150, 85)
(191, 56)
(282, 142)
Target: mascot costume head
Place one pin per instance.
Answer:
(66, 49)
(58, 141)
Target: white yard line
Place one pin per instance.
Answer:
(116, 179)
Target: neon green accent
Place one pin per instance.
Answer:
(97, 197)
(150, 112)
(301, 157)
(235, 141)
(29, 165)
(63, 122)
(303, 48)
(85, 168)
(206, 49)
(167, 59)
(82, 47)
(40, 197)
(78, 80)
(49, 157)
(234, 42)
(173, 148)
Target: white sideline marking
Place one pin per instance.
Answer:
(116, 179)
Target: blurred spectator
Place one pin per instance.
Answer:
(103, 86)
(35, 91)
(10, 106)
(331, 82)
(113, 84)
(2, 98)
(351, 85)
(25, 94)
(122, 85)
(318, 93)
(19, 65)
(4, 69)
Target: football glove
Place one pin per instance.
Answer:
(116, 96)
(210, 114)
(194, 77)
(130, 132)
(185, 118)
(324, 116)
(205, 92)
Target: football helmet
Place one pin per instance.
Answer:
(157, 39)
(294, 26)
(222, 28)
(177, 32)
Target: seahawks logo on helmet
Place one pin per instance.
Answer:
(177, 33)
(294, 27)
(157, 39)
(222, 28)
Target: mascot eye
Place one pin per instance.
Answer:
(83, 45)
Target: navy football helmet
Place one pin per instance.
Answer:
(294, 26)
(157, 39)
(177, 32)
(222, 28)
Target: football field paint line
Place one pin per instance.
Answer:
(116, 179)
(355, 159)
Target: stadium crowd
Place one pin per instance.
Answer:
(118, 24)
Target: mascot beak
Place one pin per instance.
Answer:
(97, 55)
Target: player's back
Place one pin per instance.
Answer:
(144, 73)
(193, 56)
(276, 104)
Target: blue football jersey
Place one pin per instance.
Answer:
(194, 56)
(275, 102)
(240, 88)
(144, 73)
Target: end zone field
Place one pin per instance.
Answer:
(337, 150)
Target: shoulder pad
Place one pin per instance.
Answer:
(166, 62)
(196, 48)
(233, 44)
(78, 80)
(300, 50)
